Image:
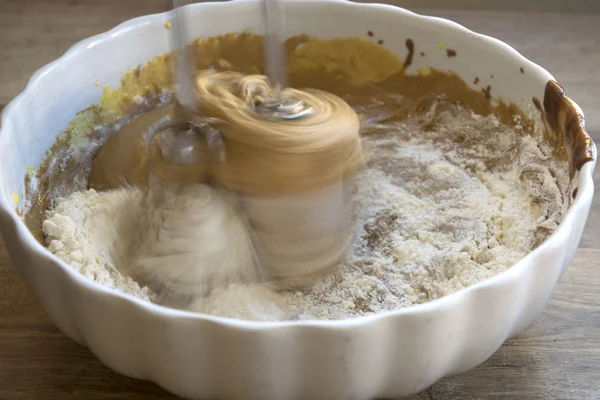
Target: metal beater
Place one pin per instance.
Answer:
(184, 140)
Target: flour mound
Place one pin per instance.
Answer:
(76, 233)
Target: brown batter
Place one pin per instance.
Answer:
(123, 159)
(358, 70)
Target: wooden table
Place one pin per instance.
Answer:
(556, 358)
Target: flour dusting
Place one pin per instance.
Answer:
(449, 199)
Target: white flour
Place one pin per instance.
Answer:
(449, 199)
(76, 233)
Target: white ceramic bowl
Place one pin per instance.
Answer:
(196, 356)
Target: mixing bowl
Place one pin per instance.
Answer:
(197, 356)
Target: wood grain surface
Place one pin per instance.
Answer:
(558, 357)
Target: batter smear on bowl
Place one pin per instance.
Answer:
(455, 190)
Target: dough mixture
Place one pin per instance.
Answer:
(454, 192)
(431, 218)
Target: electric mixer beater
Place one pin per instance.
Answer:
(267, 178)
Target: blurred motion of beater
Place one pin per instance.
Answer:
(250, 181)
